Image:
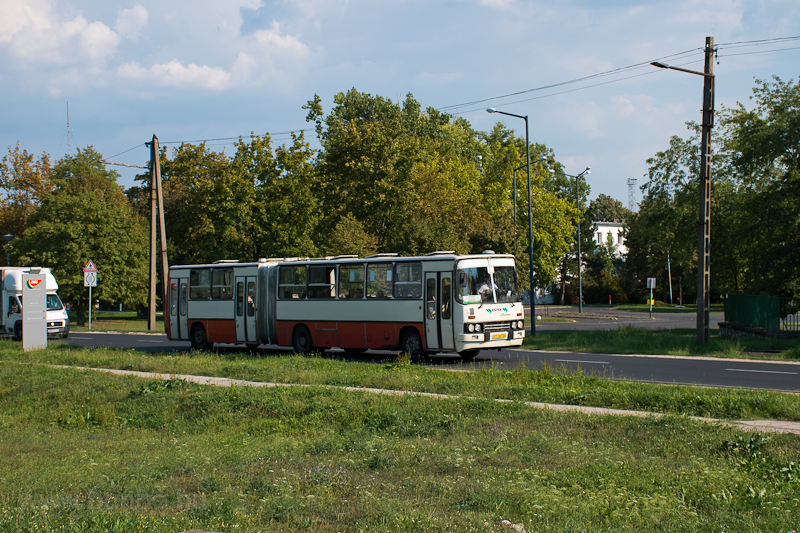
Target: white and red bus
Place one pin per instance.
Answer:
(440, 302)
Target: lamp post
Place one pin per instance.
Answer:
(530, 215)
(704, 220)
(578, 207)
(8, 237)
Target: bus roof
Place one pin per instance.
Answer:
(433, 256)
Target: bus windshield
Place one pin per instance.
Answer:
(476, 285)
(505, 279)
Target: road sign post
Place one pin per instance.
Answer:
(651, 284)
(90, 280)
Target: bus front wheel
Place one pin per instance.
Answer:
(468, 355)
(301, 340)
(199, 339)
(411, 343)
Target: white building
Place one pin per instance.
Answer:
(616, 229)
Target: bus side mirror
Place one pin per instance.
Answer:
(462, 279)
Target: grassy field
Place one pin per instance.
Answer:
(632, 340)
(82, 451)
(125, 321)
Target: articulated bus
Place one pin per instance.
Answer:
(440, 302)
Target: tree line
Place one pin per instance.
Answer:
(394, 177)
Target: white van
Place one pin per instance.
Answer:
(11, 319)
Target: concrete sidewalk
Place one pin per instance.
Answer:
(774, 426)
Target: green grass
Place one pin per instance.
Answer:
(82, 451)
(125, 322)
(552, 385)
(683, 342)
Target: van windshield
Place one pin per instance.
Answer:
(54, 303)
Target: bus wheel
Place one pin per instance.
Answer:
(199, 339)
(301, 340)
(18, 331)
(411, 343)
(469, 355)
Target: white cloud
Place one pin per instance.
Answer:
(131, 21)
(175, 74)
(34, 34)
(272, 41)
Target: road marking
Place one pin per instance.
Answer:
(579, 361)
(760, 371)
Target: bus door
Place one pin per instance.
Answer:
(246, 309)
(178, 302)
(439, 311)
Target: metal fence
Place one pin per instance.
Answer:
(769, 312)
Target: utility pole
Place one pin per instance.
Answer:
(704, 219)
(156, 204)
(704, 222)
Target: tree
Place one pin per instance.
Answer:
(88, 217)
(24, 183)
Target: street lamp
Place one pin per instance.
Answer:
(704, 220)
(578, 207)
(530, 215)
(8, 238)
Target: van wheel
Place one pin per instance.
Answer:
(18, 331)
(199, 339)
(301, 340)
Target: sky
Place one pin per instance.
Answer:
(219, 69)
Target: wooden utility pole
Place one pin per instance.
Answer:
(156, 204)
(704, 221)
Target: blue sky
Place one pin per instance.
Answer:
(210, 69)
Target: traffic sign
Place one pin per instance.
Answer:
(90, 267)
(90, 279)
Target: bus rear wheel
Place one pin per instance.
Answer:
(301, 340)
(199, 339)
(469, 355)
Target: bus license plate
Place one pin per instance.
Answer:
(499, 336)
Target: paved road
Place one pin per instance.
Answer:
(605, 317)
(680, 370)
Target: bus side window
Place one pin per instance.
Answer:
(379, 280)
(408, 280)
(222, 284)
(351, 281)
(200, 284)
(292, 283)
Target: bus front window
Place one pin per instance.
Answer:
(474, 285)
(505, 279)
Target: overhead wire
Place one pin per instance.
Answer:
(455, 108)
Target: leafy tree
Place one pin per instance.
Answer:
(88, 217)
(24, 182)
(208, 207)
(286, 208)
(606, 208)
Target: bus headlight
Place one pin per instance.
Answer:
(471, 328)
(520, 325)
(478, 328)
(513, 325)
